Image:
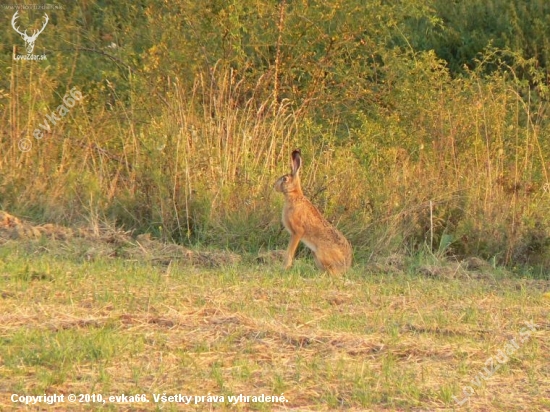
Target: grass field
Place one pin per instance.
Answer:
(423, 126)
(85, 316)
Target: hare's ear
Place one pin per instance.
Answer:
(296, 162)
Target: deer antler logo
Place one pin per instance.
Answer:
(29, 40)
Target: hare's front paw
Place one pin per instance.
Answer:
(288, 264)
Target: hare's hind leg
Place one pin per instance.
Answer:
(318, 263)
(329, 263)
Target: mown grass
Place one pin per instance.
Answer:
(371, 341)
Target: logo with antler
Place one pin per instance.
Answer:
(29, 40)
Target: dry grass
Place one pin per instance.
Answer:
(402, 340)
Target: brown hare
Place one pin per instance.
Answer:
(331, 250)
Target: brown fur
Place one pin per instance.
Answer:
(332, 251)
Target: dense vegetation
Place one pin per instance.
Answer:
(422, 123)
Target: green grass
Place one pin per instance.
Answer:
(371, 341)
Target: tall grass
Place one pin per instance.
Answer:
(455, 165)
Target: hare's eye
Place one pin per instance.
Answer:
(285, 178)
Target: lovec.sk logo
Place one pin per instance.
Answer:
(29, 40)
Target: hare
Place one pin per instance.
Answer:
(331, 250)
